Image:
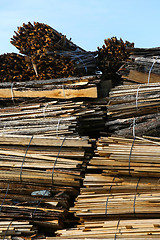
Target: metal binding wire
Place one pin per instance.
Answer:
(4, 197)
(52, 178)
(25, 158)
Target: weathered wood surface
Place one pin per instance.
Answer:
(55, 118)
(127, 103)
(143, 67)
(139, 157)
(118, 229)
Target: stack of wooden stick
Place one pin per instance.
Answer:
(63, 88)
(42, 154)
(116, 229)
(128, 156)
(55, 118)
(47, 54)
(129, 103)
(112, 54)
(143, 66)
(40, 177)
(31, 39)
(120, 194)
(10, 229)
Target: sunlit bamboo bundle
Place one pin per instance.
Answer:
(81, 63)
(31, 39)
(135, 157)
(119, 229)
(134, 102)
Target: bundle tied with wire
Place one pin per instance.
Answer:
(112, 54)
(31, 39)
(49, 54)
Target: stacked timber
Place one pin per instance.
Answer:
(45, 147)
(116, 229)
(117, 200)
(112, 54)
(47, 54)
(11, 229)
(40, 178)
(54, 118)
(18, 68)
(31, 39)
(62, 88)
(134, 107)
(128, 156)
(143, 66)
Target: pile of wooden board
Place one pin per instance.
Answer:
(143, 66)
(117, 200)
(47, 54)
(117, 229)
(129, 103)
(10, 229)
(45, 148)
(63, 88)
(119, 155)
(40, 177)
(54, 118)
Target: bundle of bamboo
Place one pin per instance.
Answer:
(13, 67)
(134, 102)
(48, 54)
